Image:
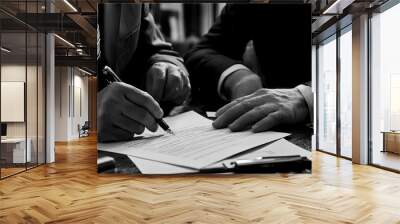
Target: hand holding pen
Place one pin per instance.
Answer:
(124, 110)
(107, 71)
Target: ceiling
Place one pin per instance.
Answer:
(75, 21)
(74, 24)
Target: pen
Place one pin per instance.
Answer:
(108, 72)
(269, 164)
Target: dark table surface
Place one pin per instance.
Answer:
(300, 136)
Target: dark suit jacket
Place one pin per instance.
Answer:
(132, 44)
(281, 36)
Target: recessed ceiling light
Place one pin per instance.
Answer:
(70, 5)
(84, 71)
(337, 7)
(5, 50)
(65, 41)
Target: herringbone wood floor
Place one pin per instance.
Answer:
(70, 191)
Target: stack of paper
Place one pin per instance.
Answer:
(195, 145)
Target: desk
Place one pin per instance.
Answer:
(391, 141)
(301, 136)
(13, 150)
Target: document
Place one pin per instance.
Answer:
(195, 144)
(280, 147)
(153, 167)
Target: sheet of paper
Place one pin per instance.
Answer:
(280, 147)
(177, 123)
(186, 120)
(194, 145)
(153, 167)
(211, 114)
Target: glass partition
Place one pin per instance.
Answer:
(327, 95)
(15, 151)
(22, 89)
(32, 96)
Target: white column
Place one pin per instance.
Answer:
(50, 93)
(50, 99)
(360, 90)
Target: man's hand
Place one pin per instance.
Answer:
(241, 83)
(123, 111)
(167, 82)
(263, 110)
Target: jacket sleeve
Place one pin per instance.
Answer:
(155, 45)
(154, 48)
(139, 44)
(222, 47)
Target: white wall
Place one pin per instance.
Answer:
(14, 72)
(79, 117)
(71, 94)
(61, 103)
(12, 101)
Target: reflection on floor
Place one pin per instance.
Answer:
(386, 159)
(10, 169)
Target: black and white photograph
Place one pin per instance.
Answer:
(200, 111)
(204, 88)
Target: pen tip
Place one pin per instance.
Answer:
(169, 131)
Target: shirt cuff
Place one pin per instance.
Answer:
(229, 71)
(307, 93)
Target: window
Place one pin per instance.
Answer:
(327, 95)
(334, 106)
(385, 88)
(346, 92)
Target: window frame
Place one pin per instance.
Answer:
(333, 37)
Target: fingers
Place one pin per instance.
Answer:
(175, 84)
(143, 99)
(186, 88)
(238, 100)
(124, 110)
(231, 104)
(116, 134)
(109, 132)
(186, 80)
(167, 82)
(272, 120)
(236, 111)
(128, 125)
(155, 80)
(139, 116)
(253, 116)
